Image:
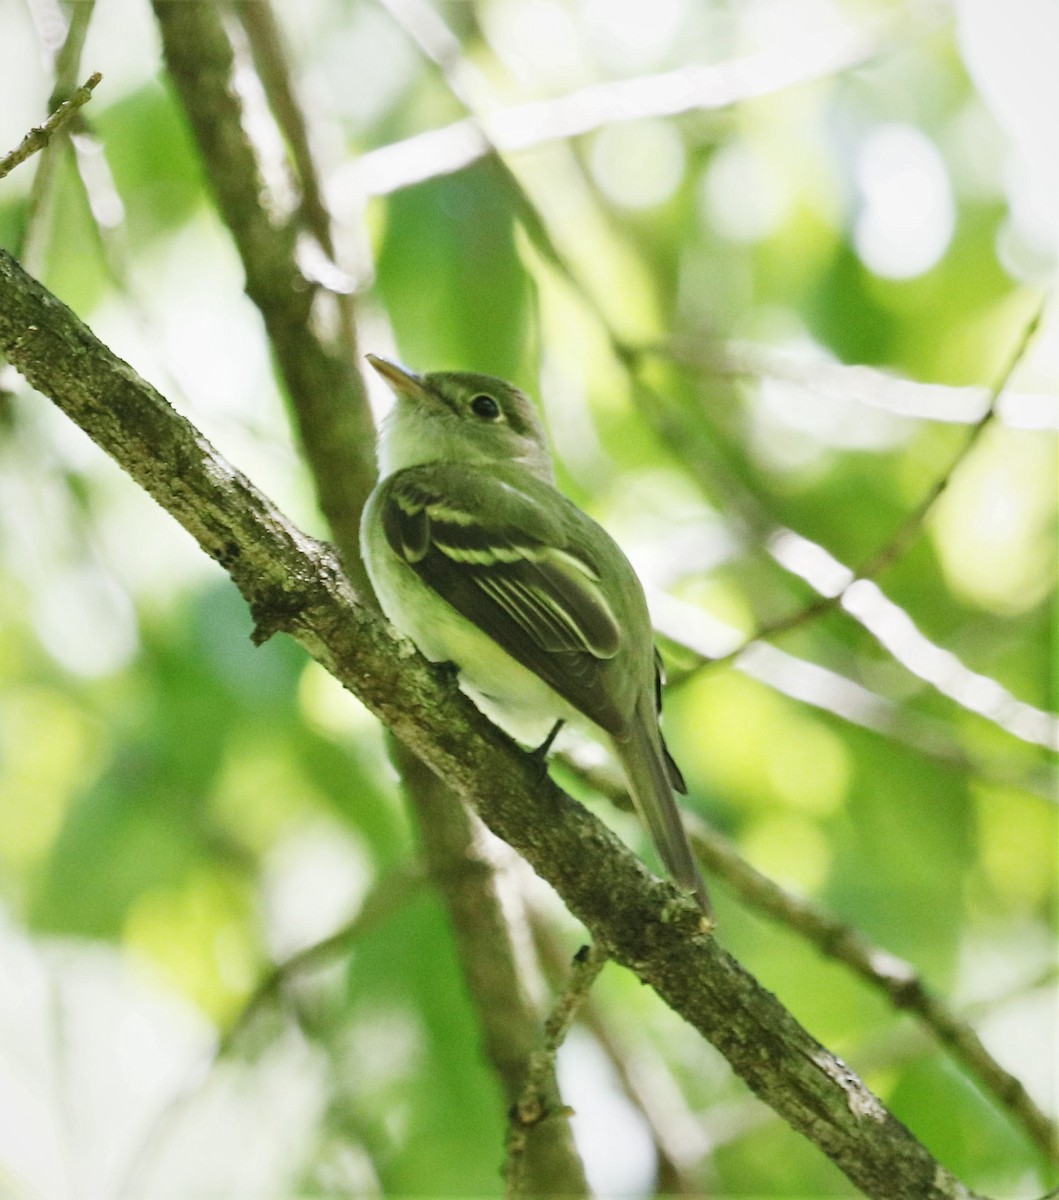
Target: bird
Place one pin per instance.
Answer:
(478, 558)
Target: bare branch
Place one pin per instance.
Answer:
(508, 1019)
(909, 529)
(840, 941)
(270, 58)
(311, 336)
(41, 135)
(524, 126)
(32, 244)
(866, 386)
(293, 583)
(679, 1138)
(535, 1107)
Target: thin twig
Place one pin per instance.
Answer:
(32, 244)
(680, 1141)
(41, 135)
(533, 1106)
(270, 59)
(522, 127)
(68, 59)
(845, 383)
(909, 529)
(838, 940)
(294, 584)
(314, 345)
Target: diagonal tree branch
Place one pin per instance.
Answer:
(912, 524)
(41, 135)
(666, 94)
(895, 977)
(506, 1017)
(270, 60)
(858, 596)
(312, 340)
(294, 583)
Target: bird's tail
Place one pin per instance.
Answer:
(644, 762)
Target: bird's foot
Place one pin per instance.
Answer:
(541, 752)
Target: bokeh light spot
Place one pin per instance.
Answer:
(907, 216)
(639, 164)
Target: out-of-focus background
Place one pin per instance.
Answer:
(797, 243)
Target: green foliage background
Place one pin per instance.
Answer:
(179, 810)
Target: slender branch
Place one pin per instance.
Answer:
(524, 126)
(907, 532)
(68, 59)
(483, 940)
(910, 528)
(838, 940)
(896, 978)
(679, 1140)
(32, 242)
(270, 59)
(313, 341)
(867, 386)
(535, 1107)
(294, 583)
(41, 135)
(507, 1017)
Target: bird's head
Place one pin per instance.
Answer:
(457, 416)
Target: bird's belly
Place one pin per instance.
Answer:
(509, 694)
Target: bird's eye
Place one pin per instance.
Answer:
(485, 407)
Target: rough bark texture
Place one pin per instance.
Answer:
(310, 329)
(294, 583)
(320, 367)
(509, 1021)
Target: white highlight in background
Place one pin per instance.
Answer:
(907, 218)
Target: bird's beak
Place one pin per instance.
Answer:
(402, 382)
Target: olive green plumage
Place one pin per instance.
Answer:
(476, 556)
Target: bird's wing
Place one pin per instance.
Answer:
(502, 560)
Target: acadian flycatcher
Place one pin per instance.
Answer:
(476, 556)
